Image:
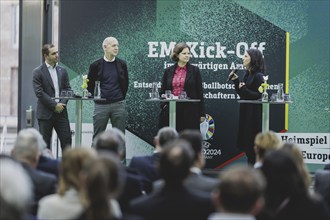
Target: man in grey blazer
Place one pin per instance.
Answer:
(49, 80)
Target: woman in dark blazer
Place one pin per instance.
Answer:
(247, 89)
(183, 76)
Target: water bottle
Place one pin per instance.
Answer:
(280, 93)
(97, 90)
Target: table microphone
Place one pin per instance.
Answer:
(231, 75)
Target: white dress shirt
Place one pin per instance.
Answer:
(53, 75)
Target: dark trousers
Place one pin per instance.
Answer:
(59, 122)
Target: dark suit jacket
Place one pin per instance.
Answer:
(195, 182)
(322, 185)
(44, 89)
(303, 207)
(188, 114)
(173, 203)
(201, 182)
(132, 189)
(146, 167)
(96, 70)
(43, 183)
(48, 165)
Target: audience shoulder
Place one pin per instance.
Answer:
(14, 189)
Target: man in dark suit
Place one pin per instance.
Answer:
(112, 74)
(174, 200)
(196, 179)
(26, 151)
(147, 165)
(49, 80)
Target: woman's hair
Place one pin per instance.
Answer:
(177, 50)
(283, 176)
(72, 163)
(102, 178)
(266, 141)
(257, 61)
(294, 150)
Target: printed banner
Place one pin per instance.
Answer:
(147, 31)
(314, 146)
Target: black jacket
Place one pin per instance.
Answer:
(96, 69)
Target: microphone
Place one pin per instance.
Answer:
(231, 75)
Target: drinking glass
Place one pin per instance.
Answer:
(273, 97)
(183, 95)
(280, 93)
(168, 94)
(97, 90)
(154, 91)
(63, 93)
(69, 93)
(287, 97)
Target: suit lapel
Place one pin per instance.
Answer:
(46, 73)
(189, 73)
(100, 68)
(171, 75)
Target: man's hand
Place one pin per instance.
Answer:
(59, 107)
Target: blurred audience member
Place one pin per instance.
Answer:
(102, 181)
(26, 150)
(174, 200)
(15, 189)
(296, 154)
(147, 165)
(196, 180)
(286, 194)
(66, 203)
(113, 140)
(46, 162)
(322, 185)
(263, 142)
(240, 194)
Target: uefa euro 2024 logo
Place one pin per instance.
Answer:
(207, 128)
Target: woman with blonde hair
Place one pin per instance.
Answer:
(263, 142)
(67, 202)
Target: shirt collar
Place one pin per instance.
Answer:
(196, 170)
(106, 59)
(50, 66)
(182, 68)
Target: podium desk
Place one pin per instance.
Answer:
(172, 107)
(265, 110)
(78, 126)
